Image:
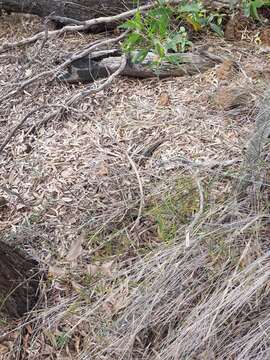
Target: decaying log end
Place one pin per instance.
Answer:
(19, 281)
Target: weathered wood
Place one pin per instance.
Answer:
(75, 9)
(98, 65)
(86, 9)
(18, 281)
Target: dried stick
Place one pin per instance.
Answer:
(133, 165)
(198, 214)
(13, 132)
(13, 193)
(7, 141)
(80, 95)
(75, 56)
(74, 28)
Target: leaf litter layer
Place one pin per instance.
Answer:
(111, 225)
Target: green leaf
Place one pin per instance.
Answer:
(163, 25)
(133, 24)
(160, 11)
(173, 43)
(140, 56)
(138, 20)
(258, 3)
(219, 20)
(250, 7)
(254, 10)
(217, 29)
(246, 9)
(132, 40)
(173, 59)
(159, 50)
(193, 7)
(129, 25)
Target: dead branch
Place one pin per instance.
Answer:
(78, 96)
(134, 167)
(88, 69)
(182, 162)
(88, 24)
(55, 71)
(74, 28)
(199, 214)
(17, 127)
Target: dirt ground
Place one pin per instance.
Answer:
(79, 178)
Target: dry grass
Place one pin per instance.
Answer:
(138, 292)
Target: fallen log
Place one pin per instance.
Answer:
(90, 21)
(101, 64)
(18, 281)
(64, 11)
(81, 10)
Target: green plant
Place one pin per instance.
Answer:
(3, 320)
(153, 32)
(197, 16)
(163, 30)
(250, 7)
(176, 209)
(62, 340)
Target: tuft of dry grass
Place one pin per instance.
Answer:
(209, 301)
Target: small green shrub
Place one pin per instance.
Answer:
(163, 30)
(107, 244)
(176, 209)
(250, 7)
(3, 320)
(62, 340)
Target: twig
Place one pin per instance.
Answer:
(181, 161)
(80, 95)
(74, 28)
(75, 56)
(6, 142)
(133, 165)
(13, 132)
(13, 193)
(198, 214)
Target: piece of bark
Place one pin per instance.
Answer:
(19, 281)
